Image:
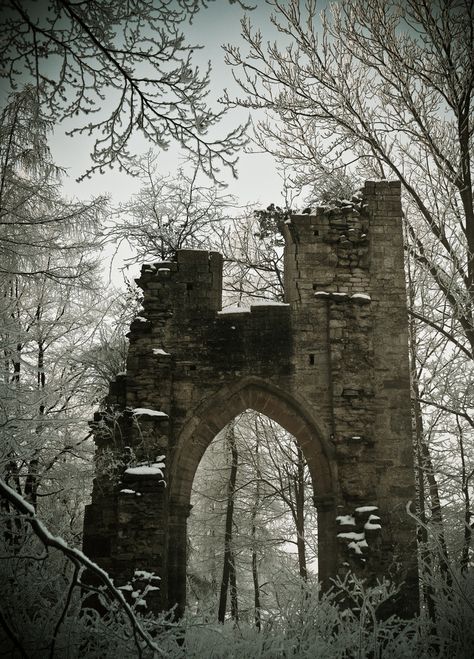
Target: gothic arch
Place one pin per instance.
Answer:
(216, 411)
(208, 419)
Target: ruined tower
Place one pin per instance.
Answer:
(330, 365)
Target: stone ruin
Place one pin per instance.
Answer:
(330, 365)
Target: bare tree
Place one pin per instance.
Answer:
(50, 312)
(253, 258)
(125, 66)
(50, 618)
(257, 519)
(377, 89)
(169, 213)
(229, 571)
(385, 90)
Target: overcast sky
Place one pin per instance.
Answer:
(258, 181)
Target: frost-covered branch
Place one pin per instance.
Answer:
(81, 563)
(124, 62)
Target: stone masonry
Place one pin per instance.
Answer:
(330, 366)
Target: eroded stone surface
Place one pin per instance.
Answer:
(330, 366)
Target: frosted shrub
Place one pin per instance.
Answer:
(313, 625)
(42, 612)
(452, 634)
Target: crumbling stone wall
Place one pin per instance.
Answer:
(330, 365)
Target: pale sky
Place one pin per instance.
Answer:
(258, 180)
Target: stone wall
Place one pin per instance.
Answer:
(330, 365)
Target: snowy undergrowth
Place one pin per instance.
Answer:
(42, 614)
(313, 625)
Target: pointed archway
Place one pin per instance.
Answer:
(198, 433)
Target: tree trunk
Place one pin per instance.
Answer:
(465, 476)
(234, 606)
(256, 585)
(228, 572)
(256, 503)
(422, 530)
(299, 485)
(423, 471)
(32, 478)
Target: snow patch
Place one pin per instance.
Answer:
(141, 319)
(355, 547)
(361, 296)
(366, 509)
(352, 535)
(269, 303)
(126, 491)
(143, 574)
(370, 526)
(159, 351)
(139, 411)
(234, 308)
(348, 520)
(154, 469)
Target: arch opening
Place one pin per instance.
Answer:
(252, 393)
(208, 422)
(252, 531)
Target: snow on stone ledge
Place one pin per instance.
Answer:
(154, 469)
(355, 546)
(366, 509)
(269, 303)
(144, 411)
(234, 308)
(337, 296)
(159, 351)
(144, 574)
(372, 523)
(352, 535)
(361, 297)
